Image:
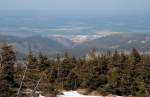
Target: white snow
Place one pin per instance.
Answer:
(41, 95)
(76, 94)
(143, 41)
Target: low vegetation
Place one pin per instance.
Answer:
(115, 73)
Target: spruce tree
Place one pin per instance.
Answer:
(135, 56)
(43, 62)
(7, 61)
(32, 61)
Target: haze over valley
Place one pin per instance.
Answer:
(57, 33)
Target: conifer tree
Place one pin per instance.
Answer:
(32, 61)
(136, 57)
(7, 61)
(43, 62)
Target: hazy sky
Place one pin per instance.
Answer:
(70, 5)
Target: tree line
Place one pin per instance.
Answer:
(108, 73)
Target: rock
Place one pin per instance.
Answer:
(111, 95)
(83, 91)
(49, 95)
(130, 96)
(95, 93)
(52, 94)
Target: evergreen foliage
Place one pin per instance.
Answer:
(112, 72)
(7, 61)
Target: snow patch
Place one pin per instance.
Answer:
(115, 47)
(76, 94)
(104, 34)
(78, 39)
(143, 42)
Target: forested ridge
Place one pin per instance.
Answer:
(108, 73)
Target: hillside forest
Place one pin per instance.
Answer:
(111, 72)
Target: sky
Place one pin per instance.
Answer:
(77, 5)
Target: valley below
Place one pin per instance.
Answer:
(53, 45)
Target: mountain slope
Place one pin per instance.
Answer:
(120, 42)
(36, 43)
(54, 45)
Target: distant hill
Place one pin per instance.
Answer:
(124, 42)
(36, 43)
(53, 45)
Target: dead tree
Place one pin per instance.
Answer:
(24, 74)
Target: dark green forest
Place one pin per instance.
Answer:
(108, 72)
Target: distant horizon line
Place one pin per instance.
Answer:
(75, 11)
